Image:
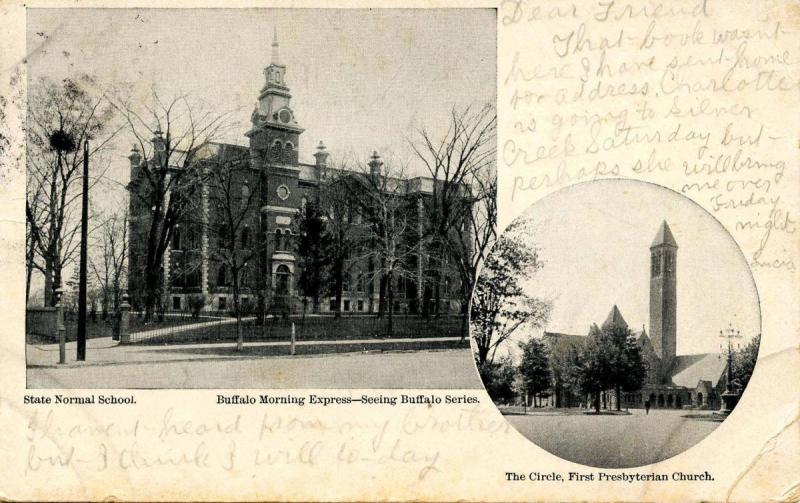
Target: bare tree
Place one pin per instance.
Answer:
(380, 193)
(336, 205)
(169, 136)
(462, 165)
(470, 246)
(234, 218)
(61, 117)
(109, 260)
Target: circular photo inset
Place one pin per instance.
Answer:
(615, 323)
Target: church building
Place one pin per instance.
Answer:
(673, 381)
(282, 186)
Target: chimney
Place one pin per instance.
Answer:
(321, 155)
(135, 157)
(159, 147)
(375, 164)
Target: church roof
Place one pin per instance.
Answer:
(664, 237)
(688, 370)
(563, 342)
(615, 318)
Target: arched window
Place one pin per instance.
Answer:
(278, 240)
(245, 194)
(276, 151)
(176, 238)
(223, 236)
(287, 240)
(282, 280)
(288, 153)
(222, 276)
(245, 237)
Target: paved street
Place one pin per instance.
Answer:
(614, 441)
(419, 369)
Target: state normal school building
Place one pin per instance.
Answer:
(673, 381)
(283, 185)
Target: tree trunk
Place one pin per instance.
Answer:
(237, 309)
(29, 269)
(339, 283)
(617, 392)
(437, 293)
(57, 281)
(381, 296)
(467, 303)
(49, 298)
(483, 354)
(151, 293)
(390, 295)
(597, 401)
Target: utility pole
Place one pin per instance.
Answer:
(84, 246)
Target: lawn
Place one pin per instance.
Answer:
(314, 328)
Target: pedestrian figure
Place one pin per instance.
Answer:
(647, 407)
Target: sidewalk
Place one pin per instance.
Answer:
(105, 351)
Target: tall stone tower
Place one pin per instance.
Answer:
(663, 296)
(274, 142)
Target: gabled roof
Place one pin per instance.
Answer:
(615, 319)
(644, 341)
(664, 237)
(688, 370)
(561, 343)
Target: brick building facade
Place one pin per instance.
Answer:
(270, 174)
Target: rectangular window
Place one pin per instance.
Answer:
(332, 306)
(223, 303)
(360, 305)
(176, 303)
(346, 305)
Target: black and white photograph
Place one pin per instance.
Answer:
(615, 323)
(257, 198)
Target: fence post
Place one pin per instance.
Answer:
(291, 347)
(62, 330)
(124, 320)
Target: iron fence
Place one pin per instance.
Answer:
(309, 328)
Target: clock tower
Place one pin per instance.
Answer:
(274, 145)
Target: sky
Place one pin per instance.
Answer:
(594, 239)
(361, 80)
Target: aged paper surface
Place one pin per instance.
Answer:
(700, 97)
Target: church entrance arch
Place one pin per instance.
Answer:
(661, 400)
(699, 399)
(652, 399)
(678, 402)
(669, 401)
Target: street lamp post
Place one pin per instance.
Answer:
(730, 397)
(81, 343)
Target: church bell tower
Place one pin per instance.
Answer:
(663, 296)
(274, 144)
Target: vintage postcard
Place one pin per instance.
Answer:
(522, 250)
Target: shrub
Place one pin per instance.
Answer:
(196, 304)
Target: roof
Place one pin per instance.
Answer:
(688, 370)
(615, 318)
(561, 343)
(644, 341)
(664, 237)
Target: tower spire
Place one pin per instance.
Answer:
(275, 60)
